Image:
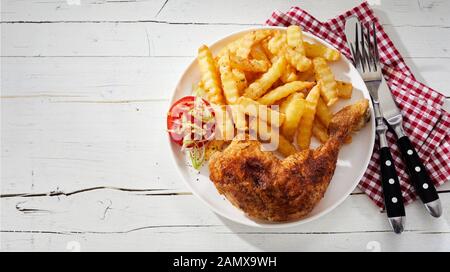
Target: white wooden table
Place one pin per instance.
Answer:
(85, 164)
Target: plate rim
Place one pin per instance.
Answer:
(274, 225)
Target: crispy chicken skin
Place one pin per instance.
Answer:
(268, 188)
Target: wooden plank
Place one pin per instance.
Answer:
(398, 12)
(92, 78)
(110, 39)
(105, 211)
(79, 10)
(119, 78)
(153, 39)
(126, 218)
(199, 240)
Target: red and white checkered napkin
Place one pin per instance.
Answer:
(425, 122)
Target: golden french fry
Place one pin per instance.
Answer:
(251, 77)
(306, 75)
(289, 75)
(319, 50)
(240, 79)
(300, 62)
(210, 75)
(320, 132)
(265, 133)
(261, 85)
(323, 113)
(294, 37)
(314, 95)
(265, 46)
(325, 75)
(285, 147)
(262, 34)
(229, 85)
(224, 129)
(284, 91)
(295, 52)
(292, 108)
(239, 120)
(304, 130)
(277, 44)
(245, 45)
(257, 52)
(251, 65)
(344, 89)
(255, 109)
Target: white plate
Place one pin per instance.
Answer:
(352, 162)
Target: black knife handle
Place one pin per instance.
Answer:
(417, 171)
(393, 199)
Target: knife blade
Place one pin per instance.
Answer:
(416, 170)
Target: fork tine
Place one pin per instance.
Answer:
(357, 56)
(375, 44)
(370, 55)
(364, 58)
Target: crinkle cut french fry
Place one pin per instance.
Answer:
(295, 52)
(284, 91)
(306, 75)
(262, 34)
(240, 79)
(261, 85)
(251, 77)
(251, 65)
(323, 113)
(324, 74)
(284, 146)
(294, 37)
(292, 108)
(249, 39)
(257, 52)
(314, 95)
(319, 50)
(344, 89)
(239, 120)
(246, 44)
(289, 75)
(304, 130)
(224, 129)
(253, 108)
(320, 132)
(230, 88)
(265, 46)
(300, 62)
(277, 43)
(210, 75)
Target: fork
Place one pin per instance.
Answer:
(364, 50)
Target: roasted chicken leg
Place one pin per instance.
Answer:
(268, 188)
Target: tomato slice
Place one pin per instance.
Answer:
(186, 113)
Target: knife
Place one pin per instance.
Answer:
(416, 170)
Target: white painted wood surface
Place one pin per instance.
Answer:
(85, 164)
